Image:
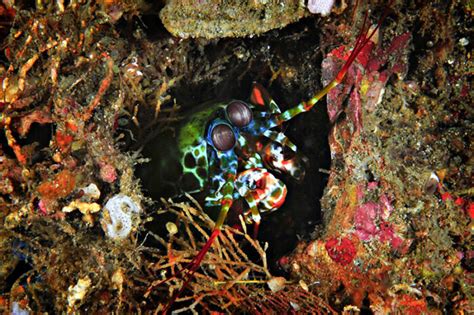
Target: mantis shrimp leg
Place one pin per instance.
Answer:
(281, 138)
(229, 164)
(260, 187)
(362, 40)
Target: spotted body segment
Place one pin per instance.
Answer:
(195, 158)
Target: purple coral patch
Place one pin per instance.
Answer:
(370, 222)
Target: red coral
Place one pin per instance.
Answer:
(63, 140)
(470, 210)
(107, 173)
(61, 186)
(341, 251)
(412, 305)
(445, 196)
(65, 136)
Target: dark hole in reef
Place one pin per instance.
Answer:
(18, 250)
(38, 135)
(295, 47)
(20, 269)
(365, 309)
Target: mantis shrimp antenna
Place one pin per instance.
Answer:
(230, 161)
(365, 35)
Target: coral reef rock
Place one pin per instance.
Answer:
(216, 19)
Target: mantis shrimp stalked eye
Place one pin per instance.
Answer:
(233, 150)
(222, 137)
(239, 114)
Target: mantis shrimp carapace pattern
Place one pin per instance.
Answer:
(233, 150)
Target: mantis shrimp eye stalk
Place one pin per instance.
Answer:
(223, 135)
(239, 114)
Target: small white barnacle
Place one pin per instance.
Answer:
(117, 217)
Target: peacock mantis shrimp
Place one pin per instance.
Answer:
(232, 149)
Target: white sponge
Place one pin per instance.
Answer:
(120, 210)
